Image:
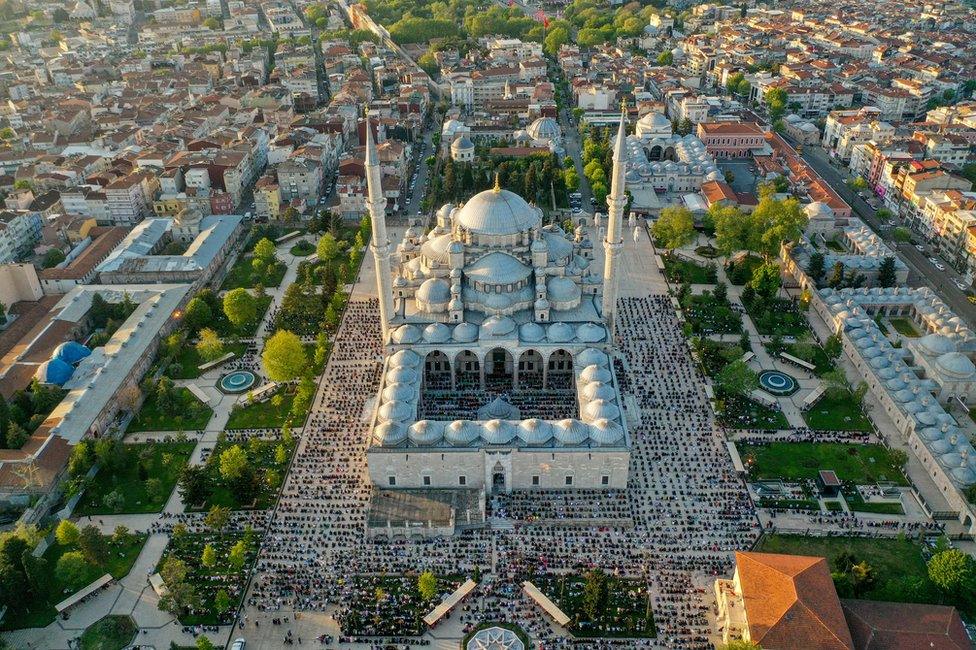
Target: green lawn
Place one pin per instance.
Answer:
(835, 246)
(110, 633)
(715, 355)
(626, 614)
(205, 581)
(837, 414)
(261, 455)
(261, 415)
(242, 275)
(399, 613)
(741, 413)
(793, 461)
(777, 316)
(40, 612)
(812, 354)
(707, 315)
(190, 414)
(679, 271)
(186, 366)
(303, 248)
(904, 327)
(164, 461)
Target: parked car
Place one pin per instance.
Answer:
(238, 644)
(920, 248)
(960, 285)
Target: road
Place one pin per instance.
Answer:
(917, 262)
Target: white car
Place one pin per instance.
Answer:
(960, 285)
(238, 644)
(939, 266)
(920, 248)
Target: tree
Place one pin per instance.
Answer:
(327, 248)
(950, 570)
(665, 58)
(265, 250)
(203, 643)
(209, 347)
(862, 578)
(121, 535)
(835, 383)
(901, 235)
(233, 463)
(857, 183)
(240, 307)
(154, 489)
(732, 82)
(212, 23)
(731, 228)
(886, 273)
(741, 644)
(427, 585)
(92, 545)
(71, 570)
(209, 556)
(776, 101)
(194, 484)
(197, 314)
(766, 280)
(737, 379)
(217, 518)
(180, 595)
(815, 267)
(675, 227)
(52, 258)
(284, 357)
(238, 555)
(836, 278)
(833, 346)
(66, 533)
(221, 601)
(595, 593)
(555, 39)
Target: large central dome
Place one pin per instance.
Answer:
(498, 212)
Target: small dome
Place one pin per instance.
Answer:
(462, 432)
(54, 371)
(560, 333)
(437, 333)
(406, 334)
(465, 333)
(571, 432)
(498, 326)
(462, 143)
(398, 391)
(497, 432)
(531, 332)
(563, 290)
(605, 432)
(426, 432)
(434, 291)
(601, 409)
(404, 359)
(389, 434)
(544, 128)
(592, 356)
(535, 431)
(818, 210)
(598, 390)
(590, 333)
(937, 344)
(956, 365)
(395, 412)
(71, 352)
(594, 372)
(402, 376)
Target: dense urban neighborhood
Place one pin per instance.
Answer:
(484, 325)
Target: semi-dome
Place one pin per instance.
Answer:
(434, 291)
(497, 212)
(535, 431)
(389, 434)
(54, 371)
(71, 352)
(956, 365)
(937, 344)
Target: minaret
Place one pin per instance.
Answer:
(380, 245)
(614, 242)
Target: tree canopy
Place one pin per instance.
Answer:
(284, 357)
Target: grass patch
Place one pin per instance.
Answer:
(715, 355)
(261, 415)
(303, 248)
(625, 615)
(708, 315)
(187, 365)
(904, 327)
(188, 414)
(835, 246)
(113, 632)
(833, 506)
(777, 316)
(736, 412)
(794, 461)
(243, 275)
(39, 610)
(207, 581)
(398, 611)
(811, 353)
(740, 271)
(841, 413)
(162, 461)
(679, 271)
(709, 252)
(261, 456)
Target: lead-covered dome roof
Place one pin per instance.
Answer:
(497, 212)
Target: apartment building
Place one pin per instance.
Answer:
(20, 230)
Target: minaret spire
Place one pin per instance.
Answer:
(380, 244)
(616, 202)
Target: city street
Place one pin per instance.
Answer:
(922, 270)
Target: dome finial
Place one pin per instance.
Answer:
(498, 186)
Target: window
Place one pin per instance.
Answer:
(391, 480)
(462, 480)
(535, 479)
(604, 480)
(569, 480)
(426, 480)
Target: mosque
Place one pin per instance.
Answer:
(499, 371)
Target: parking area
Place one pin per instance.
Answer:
(743, 173)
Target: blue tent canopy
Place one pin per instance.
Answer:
(55, 371)
(71, 352)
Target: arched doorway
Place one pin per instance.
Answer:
(655, 153)
(559, 370)
(669, 154)
(498, 479)
(530, 365)
(437, 371)
(467, 370)
(499, 370)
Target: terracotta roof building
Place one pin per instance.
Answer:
(904, 626)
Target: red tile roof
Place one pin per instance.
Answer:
(904, 626)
